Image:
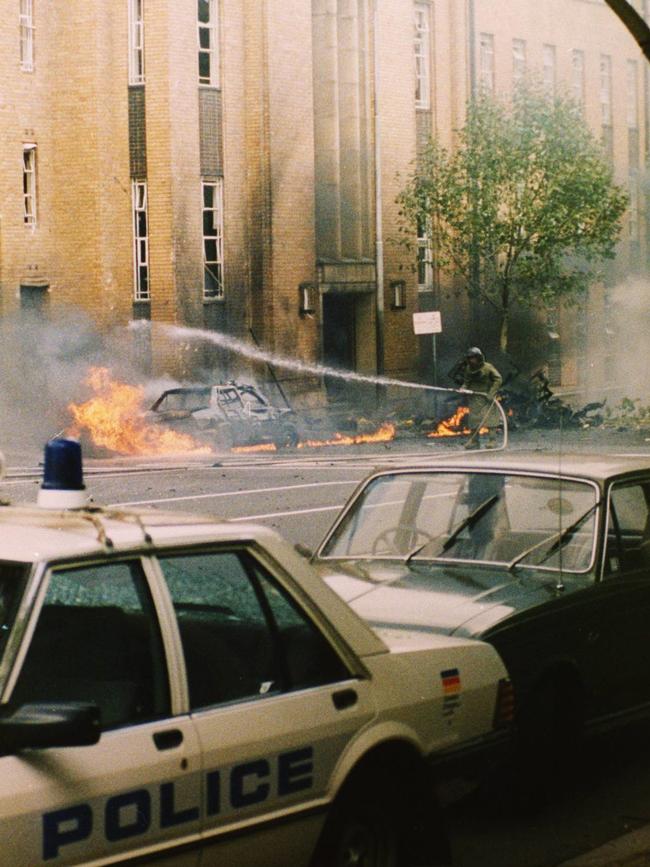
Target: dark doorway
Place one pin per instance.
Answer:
(339, 340)
(34, 299)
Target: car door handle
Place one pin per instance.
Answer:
(344, 698)
(169, 739)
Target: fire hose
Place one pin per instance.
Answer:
(477, 429)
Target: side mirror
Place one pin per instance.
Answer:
(40, 726)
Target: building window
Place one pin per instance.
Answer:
(213, 239)
(549, 69)
(607, 141)
(632, 95)
(27, 35)
(486, 61)
(633, 115)
(606, 89)
(422, 56)
(140, 242)
(29, 184)
(424, 258)
(606, 106)
(208, 14)
(633, 212)
(136, 42)
(518, 61)
(578, 77)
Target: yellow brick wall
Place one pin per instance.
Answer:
(75, 107)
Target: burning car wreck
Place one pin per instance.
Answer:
(230, 414)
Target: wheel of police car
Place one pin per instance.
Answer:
(400, 539)
(365, 836)
(385, 817)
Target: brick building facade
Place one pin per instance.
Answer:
(227, 164)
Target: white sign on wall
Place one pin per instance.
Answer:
(427, 323)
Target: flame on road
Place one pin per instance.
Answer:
(114, 419)
(384, 434)
(455, 425)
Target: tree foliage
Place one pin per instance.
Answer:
(524, 208)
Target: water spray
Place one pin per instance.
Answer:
(254, 353)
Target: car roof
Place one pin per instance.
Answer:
(597, 467)
(32, 534)
(187, 389)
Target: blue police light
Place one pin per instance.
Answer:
(63, 486)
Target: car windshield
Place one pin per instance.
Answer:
(13, 577)
(183, 400)
(506, 518)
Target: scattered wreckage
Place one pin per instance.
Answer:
(235, 414)
(530, 402)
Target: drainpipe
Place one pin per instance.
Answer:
(379, 232)
(471, 47)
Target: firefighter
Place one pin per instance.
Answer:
(481, 376)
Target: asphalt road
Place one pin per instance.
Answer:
(605, 802)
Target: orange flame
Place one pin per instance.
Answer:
(114, 418)
(384, 434)
(454, 425)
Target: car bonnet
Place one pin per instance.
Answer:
(444, 599)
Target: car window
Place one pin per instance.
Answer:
(484, 517)
(97, 639)
(12, 583)
(309, 658)
(242, 637)
(628, 528)
(403, 502)
(228, 396)
(183, 400)
(253, 402)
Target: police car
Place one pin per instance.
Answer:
(178, 690)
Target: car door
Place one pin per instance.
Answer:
(96, 638)
(274, 704)
(625, 590)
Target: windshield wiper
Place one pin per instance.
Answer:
(562, 537)
(469, 521)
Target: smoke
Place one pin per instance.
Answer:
(43, 367)
(416, 396)
(617, 354)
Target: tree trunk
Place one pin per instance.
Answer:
(503, 333)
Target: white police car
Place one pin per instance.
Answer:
(179, 691)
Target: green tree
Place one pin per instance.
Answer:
(523, 209)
